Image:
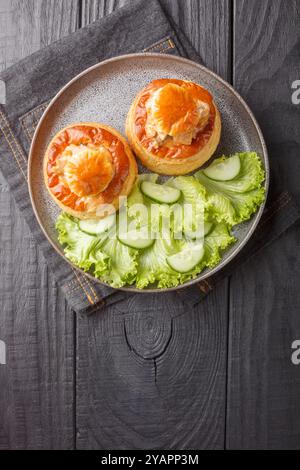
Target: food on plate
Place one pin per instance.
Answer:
(173, 126)
(139, 238)
(87, 168)
(158, 248)
(159, 193)
(224, 170)
(188, 258)
(97, 226)
(234, 201)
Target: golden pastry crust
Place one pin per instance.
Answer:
(87, 167)
(165, 137)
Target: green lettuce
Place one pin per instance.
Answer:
(225, 204)
(237, 200)
(109, 260)
(122, 266)
(139, 206)
(80, 248)
(194, 198)
(153, 266)
(215, 243)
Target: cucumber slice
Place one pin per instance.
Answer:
(138, 239)
(96, 226)
(224, 171)
(159, 193)
(208, 226)
(187, 259)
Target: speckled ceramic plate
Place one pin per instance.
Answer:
(103, 93)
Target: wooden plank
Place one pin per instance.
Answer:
(28, 25)
(151, 373)
(37, 383)
(211, 39)
(264, 406)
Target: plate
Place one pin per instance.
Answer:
(104, 92)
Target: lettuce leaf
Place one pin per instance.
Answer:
(80, 248)
(193, 204)
(110, 261)
(221, 209)
(136, 196)
(139, 207)
(153, 266)
(225, 204)
(237, 200)
(122, 265)
(215, 243)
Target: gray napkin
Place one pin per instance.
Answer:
(32, 83)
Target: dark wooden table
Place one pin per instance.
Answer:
(150, 376)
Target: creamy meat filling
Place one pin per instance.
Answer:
(86, 170)
(174, 116)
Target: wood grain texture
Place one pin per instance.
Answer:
(151, 373)
(264, 406)
(29, 25)
(36, 385)
(36, 399)
(206, 23)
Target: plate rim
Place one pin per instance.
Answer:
(258, 215)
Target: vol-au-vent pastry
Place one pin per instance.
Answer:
(87, 168)
(173, 126)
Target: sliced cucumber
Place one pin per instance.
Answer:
(208, 226)
(138, 239)
(97, 226)
(187, 259)
(224, 171)
(159, 193)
